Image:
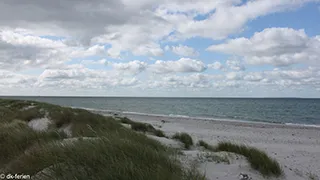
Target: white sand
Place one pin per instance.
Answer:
(67, 130)
(296, 148)
(40, 124)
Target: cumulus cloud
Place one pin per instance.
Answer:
(14, 80)
(235, 65)
(228, 18)
(82, 77)
(181, 65)
(132, 67)
(216, 65)
(274, 46)
(18, 51)
(189, 81)
(184, 51)
(47, 35)
(136, 27)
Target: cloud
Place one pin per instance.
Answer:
(92, 62)
(81, 77)
(181, 65)
(274, 46)
(227, 18)
(235, 65)
(189, 81)
(20, 51)
(136, 27)
(14, 80)
(132, 67)
(216, 65)
(48, 36)
(184, 51)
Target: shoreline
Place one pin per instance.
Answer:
(218, 120)
(296, 148)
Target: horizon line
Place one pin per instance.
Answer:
(225, 97)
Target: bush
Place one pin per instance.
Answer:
(184, 138)
(257, 159)
(206, 145)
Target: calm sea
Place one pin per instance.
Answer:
(296, 111)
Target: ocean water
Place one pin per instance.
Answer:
(273, 110)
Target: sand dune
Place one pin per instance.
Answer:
(296, 148)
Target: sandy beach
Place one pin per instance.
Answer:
(297, 148)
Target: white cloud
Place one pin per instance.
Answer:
(235, 64)
(92, 62)
(137, 27)
(189, 81)
(234, 75)
(184, 51)
(42, 35)
(228, 18)
(216, 65)
(274, 46)
(82, 77)
(14, 80)
(132, 67)
(19, 51)
(181, 65)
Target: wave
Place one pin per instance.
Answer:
(177, 115)
(303, 125)
(228, 118)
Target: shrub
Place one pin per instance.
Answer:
(257, 159)
(184, 138)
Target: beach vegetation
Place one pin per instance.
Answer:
(100, 148)
(159, 133)
(185, 138)
(312, 176)
(206, 145)
(257, 159)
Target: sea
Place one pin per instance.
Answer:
(294, 111)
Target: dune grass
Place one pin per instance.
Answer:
(206, 145)
(111, 151)
(257, 159)
(16, 137)
(159, 133)
(184, 138)
(142, 127)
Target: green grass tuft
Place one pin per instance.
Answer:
(257, 159)
(206, 145)
(184, 138)
(159, 133)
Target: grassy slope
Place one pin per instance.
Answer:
(113, 152)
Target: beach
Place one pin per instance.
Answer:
(297, 148)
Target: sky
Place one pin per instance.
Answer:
(184, 48)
